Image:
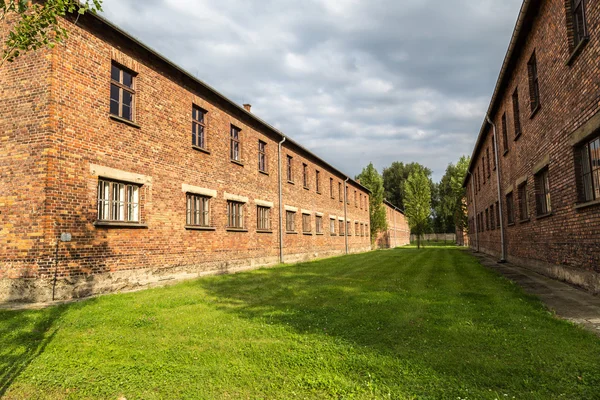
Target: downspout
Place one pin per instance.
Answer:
(346, 212)
(395, 241)
(503, 259)
(280, 204)
(474, 209)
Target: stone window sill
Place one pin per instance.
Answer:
(292, 233)
(203, 150)
(306, 188)
(544, 216)
(577, 51)
(307, 233)
(241, 230)
(535, 111)
(111, 224)
(291, 182)
(200, 228)
(319, 234)
(333, 234)
(124, 120)
(517, 137)
(524, 221)
(263, 231)
(504, 154)
(587, 204)
(236, 162)
(263, 172)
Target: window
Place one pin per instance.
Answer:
(290, 221)
(356, 229)
(494, 150)
(197, 210)
(579, 28)
(361, 201)
(122, 92)
(504, 133)
(235, 215)
(319, 225)
(306, 225)
(355, 198)
(492, 218)
(483, 168)
(342, 230)
(348, 230)
(198, 127)
(305, 175)
(318, 181)
(498, 214)
(263, 216)
(534, 86)
(542, 193)
(118, 202)
(331, 188)
(340, 195)
(510, 208)
(488, 163)
(332, 226)
(516, 113)
(290, 175)
(235, 144)
(367, 232)
(589, 160)
(523, 205)
(262, 156)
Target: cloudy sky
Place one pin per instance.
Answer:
(355, 81)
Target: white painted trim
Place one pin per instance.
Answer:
(264, 203)
(112, 173)
(292, 209)
(235, 197)
(198, 190)
(332, 217)
(318, 214)
(307, 212)
(341, 218)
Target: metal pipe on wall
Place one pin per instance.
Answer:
(495, 139)
(280, 204)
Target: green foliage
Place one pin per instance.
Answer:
(417, 202)
(450, 210)
(398, 324)
(370, 178)
(37, 23)
(394, 177)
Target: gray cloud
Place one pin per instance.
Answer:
(353, 80)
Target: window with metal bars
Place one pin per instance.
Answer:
(290, 221)
(489, 170)
(492, 218)
(118, 202)
(483, 168)
(262, 156)
(494, 150)
(579, 30)
(290, 171)
(318, 180)
(263, 218)
(235, 215)
(534, 85)
(305, 175)
(356, 229)
(198, 127)
(306, 223)
(510, 208)
(319, 224)
(342, 229)
(589, 159)
(542, 192)
(236, 144)
(504, 133)
(523, 202)
(122, 92)
(340, 195)
(331, 188)
(332, 226)
(516, 113)
(498, 214)
(487, 219)
(197, 210)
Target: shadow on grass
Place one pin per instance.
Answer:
(24, 335)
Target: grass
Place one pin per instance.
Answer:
(399, 324)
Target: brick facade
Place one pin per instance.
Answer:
(398, 232)
(564, 241)
(58, 139)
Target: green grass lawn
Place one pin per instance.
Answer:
(398, 324)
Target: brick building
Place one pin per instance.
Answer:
(545, 114)
(119, 169)
(398, 232)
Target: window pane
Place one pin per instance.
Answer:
(115, 73)
(127, 79)
(127, 98)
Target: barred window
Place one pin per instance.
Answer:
(510, 208)
(122, 92)
(504, 133)
(516, 113)
(487, 219)
(489, 170)
(542, 193)
(340, 194)
(355, 198)
(331, 187)
(361, 201)
(579, 23)
(523, 202)
(235, 215)
(263, 215)
(494, 150)
(332, 226)
(262, 156)
(492, 218)
(498, 214)
(319, 224)
(589, 159)
(356, 229)
(342, 230)
(198, 127)
(118, 202)
(534, 85)
(483, 168)
(290, 221)
(197, 210)
(306, 223)
(318, 180)
(290, 175)
(305, 175)
(235, 143)
(348, 230)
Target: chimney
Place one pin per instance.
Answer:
(248, 107)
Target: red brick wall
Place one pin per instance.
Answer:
(398, 232)
(565, 244)
(159, 148)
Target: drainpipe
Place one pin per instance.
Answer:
(346, 212)
(503, 259)
(280, 205)
(395, 241)
(475, 209)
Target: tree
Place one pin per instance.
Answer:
(417, 203)
(36, 23)
(450, 211)
(370, 178)
(394, 177)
